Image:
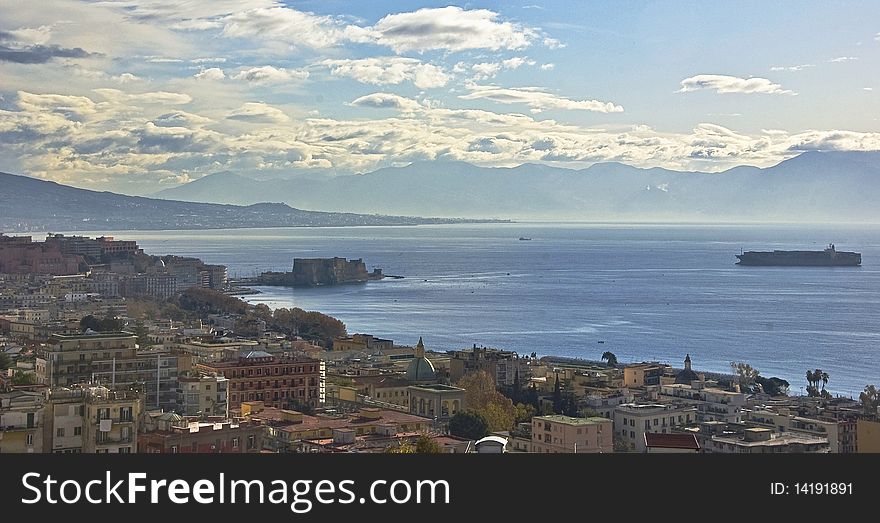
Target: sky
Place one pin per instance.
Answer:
(138, 96)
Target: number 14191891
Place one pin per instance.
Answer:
(816, 488)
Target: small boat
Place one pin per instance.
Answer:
(524, 239)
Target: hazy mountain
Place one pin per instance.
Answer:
(814, 186)
(38, 205)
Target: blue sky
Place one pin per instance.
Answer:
(138, 96)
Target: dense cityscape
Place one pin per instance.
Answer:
(107, 349)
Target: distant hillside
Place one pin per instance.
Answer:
(814, 186)
(29, 204)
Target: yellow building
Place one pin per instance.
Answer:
(21, 422)
(565, 434)
(867, 436)
(110, 424)
(642, 375)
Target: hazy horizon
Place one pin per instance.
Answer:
(266, 88)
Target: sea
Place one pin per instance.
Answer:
(646, 292)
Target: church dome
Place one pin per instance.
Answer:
(420, 368)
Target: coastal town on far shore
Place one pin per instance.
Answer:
(107, 349)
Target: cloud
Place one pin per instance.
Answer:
(180, 119)
(258, 112)
(163, 60)
(447, 28)
(536, 98)
(39, 54)
(284, 24)
(548, 67)
(208, 60)
(388, 70)
(731, 84)
(125, 78)
(791, 68)
(840, 59)
(156, 97)
(867, 88)
(212, 73)
(28, 35)
(486, 70)
(268, 74)
(387, 101)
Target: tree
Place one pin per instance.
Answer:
(468, 424)
(619, 444)
(746, 375)
(23, 378)
(524, 412)
(402, 447)
(773, 386)
(5, 361)
(587, 412)
(500, 415)
(516, 393)
(609, 358)
(557, 396)
(870, 399)
(427, 445)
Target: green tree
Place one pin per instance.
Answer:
(773, 386)
(5, 361)
(427, 445)
(402, 447)
(870, 399)
(746, 375)
(524, 412)
(468, 424)
(609, 358)
(24, 378)
(557, 396)
(587, 412)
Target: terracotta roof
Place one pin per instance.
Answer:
(671, 441)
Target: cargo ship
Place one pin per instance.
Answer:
(830, 257)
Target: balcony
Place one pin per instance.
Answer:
(113, 441)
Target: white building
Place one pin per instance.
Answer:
(633, 420)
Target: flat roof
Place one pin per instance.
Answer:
(97, 335)
(568, 420)
(671, 441)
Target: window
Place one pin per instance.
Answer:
(30, 420)
(30, 440)
(59, 433)
(77, 431)
(251, 442)
(632, 434)
(125, 450)
(174, 449)
(235, 443)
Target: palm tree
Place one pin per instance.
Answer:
(810, 378)
(824, 380)
(610, 358)
(870, 399)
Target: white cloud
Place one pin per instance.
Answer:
(731, 84)
(867, 88)
(156, 97)
(268, 74)
(297, 28)
(840, 59)
(212, 73)
(163, 60)
(447, 28)
(536, 98)
(387, 70)
(791, 68)
(548, 67)
(125, 78)
(486, 70)
(258, 112)
(208, 59)
(31, 35)
(387, 101)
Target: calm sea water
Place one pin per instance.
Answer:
(648, 292)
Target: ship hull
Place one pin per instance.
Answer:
(800, 259)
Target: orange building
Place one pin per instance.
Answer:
(276, 381)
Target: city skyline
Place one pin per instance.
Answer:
(136, 97)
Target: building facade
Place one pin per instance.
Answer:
(568, 435)
(276, 381)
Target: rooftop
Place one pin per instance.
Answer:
(671, 441)
(568, 420)
(94, 335)
(437, 387)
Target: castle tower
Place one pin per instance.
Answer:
(420, 348)
(687, 362)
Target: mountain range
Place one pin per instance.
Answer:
(30, 204)
(810, 187)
